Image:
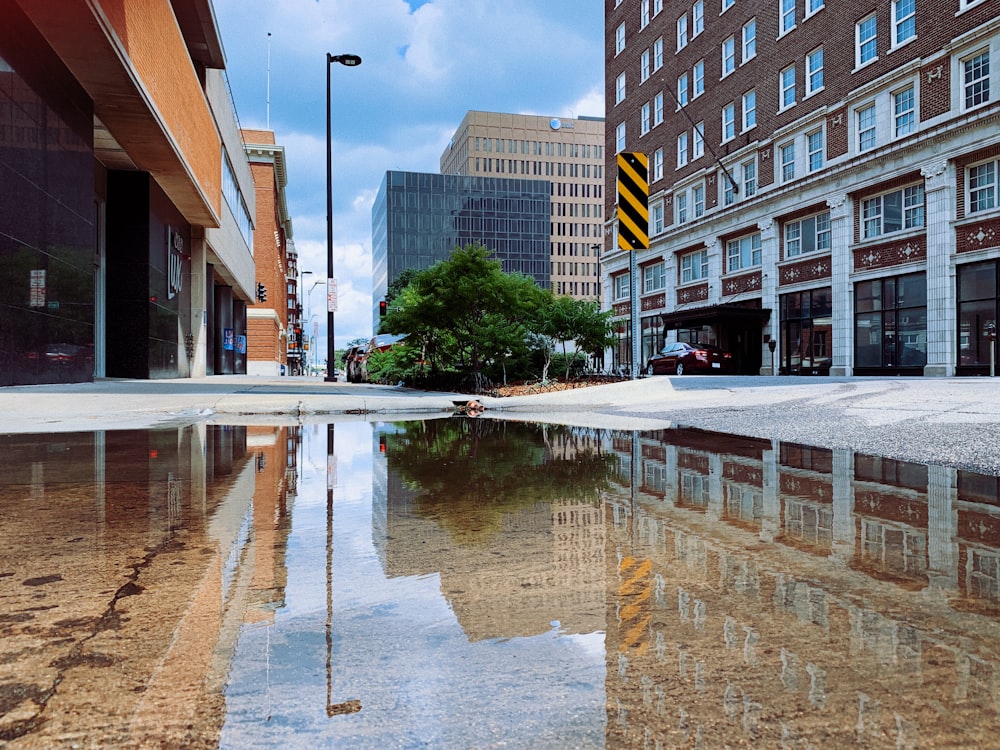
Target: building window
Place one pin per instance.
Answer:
(728, 56)
(656, 223)
(787, 16)
(697, 18)
(657, 109)
(654, 277)
(866, 128)
(897, 211)
(978, 304)
(681, 207)
(815, 149)
(727, 4)
(620, 38)
(814, 71)
(658, 54)
(890, 322)
(646, 117)
(806, 331)
(657, 6)
(698, 144)
(865, 39)
(728, 190)
(983, 190)
(644, 14)
(814, 6)
(743, 253)
(620, 137)
(682, 32)
(694, 266)
(787, 161)
(807, 235)
(749, 40)
(644, 66)
(698, 199)
(788, 87)
(699, 79)
(904, 112)
(682, 89)
(749, 109)
(728, 122)
(976, 79)
(682, 149)
(620, 89)
(623, 286)
(658, 164)
(749, 171)
(904, 21)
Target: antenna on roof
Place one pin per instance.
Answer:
(268, 111)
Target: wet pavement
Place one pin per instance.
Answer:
(457, 583)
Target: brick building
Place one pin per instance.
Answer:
(125, 201)
(271, 324)
(823, 175)
(569, 153)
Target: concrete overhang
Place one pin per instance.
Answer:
(127, 117)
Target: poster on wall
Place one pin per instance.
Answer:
(241, 344)
(227, 339)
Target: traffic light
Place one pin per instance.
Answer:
(261, 292)
(382, 308)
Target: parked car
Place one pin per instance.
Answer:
(683, 357)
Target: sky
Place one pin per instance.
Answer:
(424, 65)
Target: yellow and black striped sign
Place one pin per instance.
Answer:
(633, 201)
(635, 589)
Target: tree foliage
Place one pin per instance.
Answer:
(466, 315)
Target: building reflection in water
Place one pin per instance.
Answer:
(456, 581)
(130, 559)
(799, 596)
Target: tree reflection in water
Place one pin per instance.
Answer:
(468, 474)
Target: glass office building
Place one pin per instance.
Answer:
(419, 218)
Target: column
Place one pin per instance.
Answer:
(198, 323)
(942, 530)
(769, 292)
(770, 525)
(843, 298)
(939, 218)
(843, 506)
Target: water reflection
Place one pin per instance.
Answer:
(471, 583)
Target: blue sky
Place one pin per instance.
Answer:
(425, 64)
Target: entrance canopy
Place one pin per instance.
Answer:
(715, 315)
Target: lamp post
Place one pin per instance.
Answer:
(331, 365)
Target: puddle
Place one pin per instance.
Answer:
(477, 583)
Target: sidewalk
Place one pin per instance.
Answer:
(953, 420)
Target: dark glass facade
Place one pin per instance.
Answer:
(807, 332)
(978, 305)
(418, 218)
(890, 324)
(47, 214)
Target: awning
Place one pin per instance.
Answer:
(717, 315)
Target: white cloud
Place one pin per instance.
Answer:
(421, 71)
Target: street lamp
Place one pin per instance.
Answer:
(331, 368)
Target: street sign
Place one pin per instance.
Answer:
(633, 201)
(331, 295)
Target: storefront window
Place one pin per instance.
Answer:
(978, 301)
(890, 322)
(807, 332)
(652, 336)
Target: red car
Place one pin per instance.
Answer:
(683, 357)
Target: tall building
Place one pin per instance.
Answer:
(272, 341)
(418, 218)
(823, 179)
(125, 196)
(569, 153)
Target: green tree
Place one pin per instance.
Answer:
(564, 319)
(465, 313)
